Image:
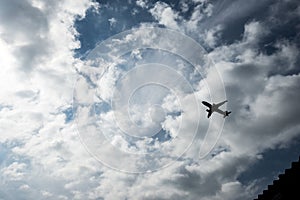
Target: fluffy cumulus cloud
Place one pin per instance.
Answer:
(165, 15)
(37, 76)
(41, 155)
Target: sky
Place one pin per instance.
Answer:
(102, 99)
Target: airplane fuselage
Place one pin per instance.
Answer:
(215, 108)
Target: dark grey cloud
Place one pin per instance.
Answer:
(280, 17)
(233, 15)
(25, 26)
(21, 18)
(33, 53)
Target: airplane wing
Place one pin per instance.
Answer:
(209, 113)
(206, 104)
(219, 104)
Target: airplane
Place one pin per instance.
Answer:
(215, 108)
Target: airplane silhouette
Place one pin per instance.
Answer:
(215, 108)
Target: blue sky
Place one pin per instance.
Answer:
(102, 99)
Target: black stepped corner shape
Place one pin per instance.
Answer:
(286, 187)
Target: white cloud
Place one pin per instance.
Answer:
(24, 187)
(142, 3)
(165, 15)
(14, 171)
(197, 16)
(112, 21)
(211, 36)
(37, 76)
(46, 194)
(254, 31)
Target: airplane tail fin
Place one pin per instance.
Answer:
(227, 113)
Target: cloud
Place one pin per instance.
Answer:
(37, 39)
(142, 3)
(44, 157)
(112, 21)
(14, 171)
(259, 104)
(165, 15)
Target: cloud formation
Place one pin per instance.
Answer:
(42, 157)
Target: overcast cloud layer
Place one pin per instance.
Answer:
(46, 46)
